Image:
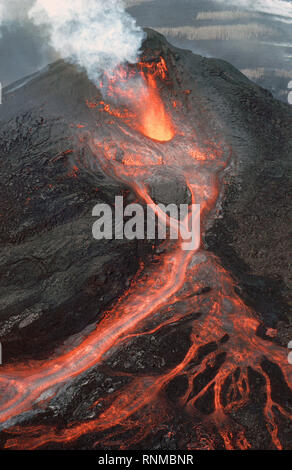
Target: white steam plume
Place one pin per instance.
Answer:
(96, 34)
(14, 11)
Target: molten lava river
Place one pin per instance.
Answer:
(139, 137)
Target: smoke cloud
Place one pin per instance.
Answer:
(95, 34)
(14, 10)
(98, 35)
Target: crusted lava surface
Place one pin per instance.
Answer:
(122, 344)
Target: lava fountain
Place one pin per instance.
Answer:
(139, 92)
(155, 122)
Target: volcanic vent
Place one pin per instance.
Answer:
(165, 348)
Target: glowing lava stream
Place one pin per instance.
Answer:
(28, 383)
(178, 277)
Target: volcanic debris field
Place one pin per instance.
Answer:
(139, 344)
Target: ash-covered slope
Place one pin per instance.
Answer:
(256, 43)
(251, 233)
(56, 280)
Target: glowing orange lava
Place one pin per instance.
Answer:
(222, 372)
(154, 122)
(146, 113)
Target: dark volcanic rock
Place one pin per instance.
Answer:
(56, 280)
(252, 231)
